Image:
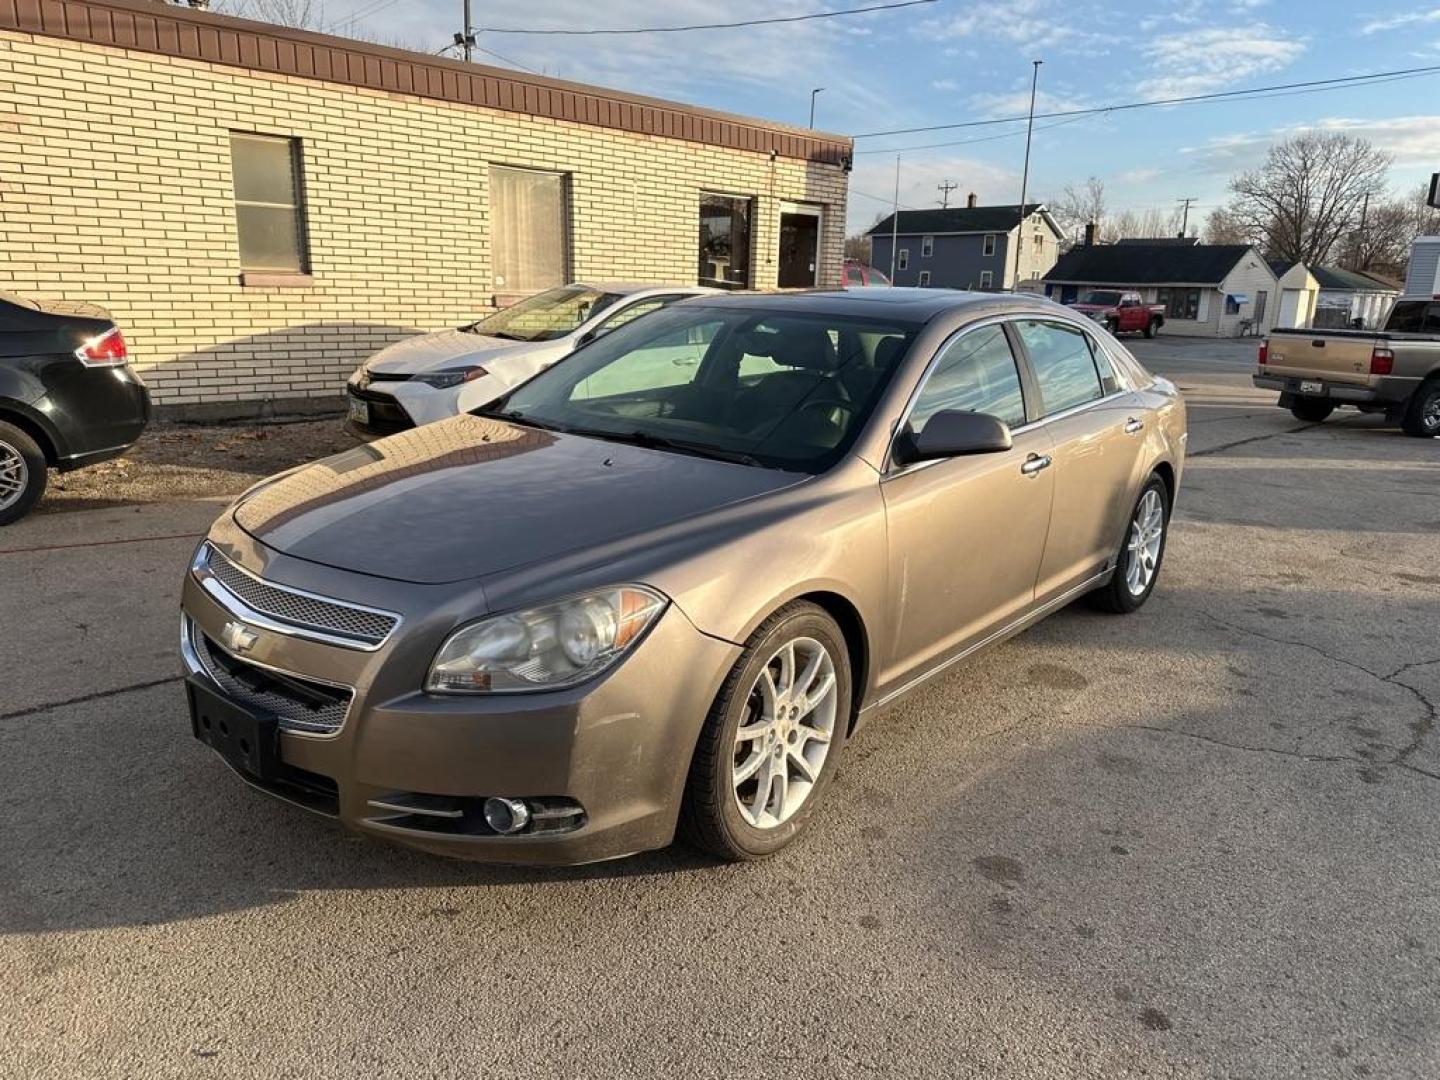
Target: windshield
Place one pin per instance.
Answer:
(547, 315)
(1415, 317)
(1101, 299)
(787, 390)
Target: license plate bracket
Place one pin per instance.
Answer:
(1308, 386)
(249, 742)
(359, 410)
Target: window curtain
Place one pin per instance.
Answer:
(527, 229)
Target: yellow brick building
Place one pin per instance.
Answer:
(143, 148)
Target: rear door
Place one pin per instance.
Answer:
(1097, 428)
(966, 534)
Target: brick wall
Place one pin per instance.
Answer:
(115, 188)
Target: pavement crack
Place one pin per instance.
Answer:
(1246, 442)
(83, 699)
(1183, 734)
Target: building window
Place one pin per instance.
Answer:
(987, 279)
(269, 203)
(1179, 303)
(725, 241)
(904, 258)
(927, 246)
(924, 278)
(1039, 243)
(989, 244)
(528, 226)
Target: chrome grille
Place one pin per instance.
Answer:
(364, 626)
(256, 688)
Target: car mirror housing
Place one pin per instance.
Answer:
(953, 433)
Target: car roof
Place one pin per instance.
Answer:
(903, 304)
(629, 288)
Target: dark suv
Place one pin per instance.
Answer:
(67, 396)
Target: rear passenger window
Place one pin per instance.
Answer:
(1108, 379)
(975, 373)
(1064, 365)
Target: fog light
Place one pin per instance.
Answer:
(506, 816)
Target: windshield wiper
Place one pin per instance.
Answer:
(515, 416)
(651, 441)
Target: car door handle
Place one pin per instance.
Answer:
(1133, 425)
(1035, 464)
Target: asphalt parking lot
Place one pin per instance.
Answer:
(1199, 841)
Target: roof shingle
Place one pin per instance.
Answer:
(1139, 264)
(956, 219)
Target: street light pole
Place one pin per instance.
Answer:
(1025, 173)
(468, 42)
(812, 104)
(895, 221)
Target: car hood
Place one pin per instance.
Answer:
(1088, 309)
(473, 496)
(447, 348)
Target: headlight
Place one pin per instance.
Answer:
(545, 648)
(452, 377)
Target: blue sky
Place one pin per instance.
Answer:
(953, 61)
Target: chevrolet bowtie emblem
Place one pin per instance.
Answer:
(237, 638)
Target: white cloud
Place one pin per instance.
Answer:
(1394, 22)
(1017, 103)
(1138, 176)
(1412, 140)
(1202, 61)
(1026, 24)
(945, 86)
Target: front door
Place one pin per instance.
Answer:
(966, 534)
(799, 247)
(1261, 299)
(1097, 431)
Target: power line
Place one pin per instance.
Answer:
(972, 142)
(1221, 95)
(711, 26)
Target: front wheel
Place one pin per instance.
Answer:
(22, 473)
(1152, 328)
(1311, 410)
(1422, 418)
(1138, 566)
(772, 741)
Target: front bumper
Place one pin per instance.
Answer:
(1381, 390)
(619, 747)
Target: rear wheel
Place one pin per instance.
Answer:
(1311, 410)
(22, 473)
(1422, 418)
(772, 741)
(1138, 566)
(1152, 328)
(1113, 327)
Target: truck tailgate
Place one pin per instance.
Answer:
(1341, 358)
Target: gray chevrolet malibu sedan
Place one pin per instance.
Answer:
(659, 587)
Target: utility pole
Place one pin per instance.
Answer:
(1364, 248)
(466, 38)
(1025, 174)
(1186, 202)
(812, 100)
(945, 189)
(895, 222)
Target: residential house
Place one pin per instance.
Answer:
(1208, 290)
(261, 207)
(967, 247)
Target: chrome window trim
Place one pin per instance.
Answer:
(216, 590)
(1034, 425)
(195, 666)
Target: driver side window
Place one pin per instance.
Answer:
(633, 312)
(976, 373)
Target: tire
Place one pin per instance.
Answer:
(1311, 410)
(1422, 417)
(1152, 328)
(711, 817)
(22, 473)
(1118, 596)
(1112, 326)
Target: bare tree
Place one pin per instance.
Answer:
(299, 14)
(1308, 194)
(1382, 238)
(857, 247)
(1079, 205)
(1223, 227)
(1149, 224)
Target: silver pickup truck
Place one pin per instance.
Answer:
(1395, 371)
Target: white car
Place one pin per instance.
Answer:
(433, 376)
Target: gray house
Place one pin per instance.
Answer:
(967, 247)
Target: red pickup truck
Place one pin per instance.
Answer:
(1122, 312)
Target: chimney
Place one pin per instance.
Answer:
(970, 201)
(1090, 230)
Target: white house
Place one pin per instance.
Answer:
(1329, 298)
(1209, 290)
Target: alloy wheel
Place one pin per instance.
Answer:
(14, 475)
(1430, 413)
(1147, 530)
(785, 735)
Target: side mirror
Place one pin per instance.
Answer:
(952, 433)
